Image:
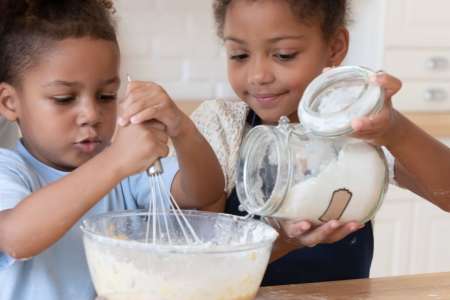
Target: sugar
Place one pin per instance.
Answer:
(351, 184)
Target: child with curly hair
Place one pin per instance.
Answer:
(275, 48)
(59, 66)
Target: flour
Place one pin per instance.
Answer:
(357, 177)
(338, 106)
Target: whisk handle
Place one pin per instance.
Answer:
(155, 169)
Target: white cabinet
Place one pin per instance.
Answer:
(392, 234)
(430, 250)
(417, 50)
(417, 23)
(411, 236)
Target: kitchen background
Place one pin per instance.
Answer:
(173, 43)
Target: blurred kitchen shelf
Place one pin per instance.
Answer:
(188, 106)
(436, 124)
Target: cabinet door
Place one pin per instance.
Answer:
(392, 233)
(430, 240)
(418, 23)
(431, 96)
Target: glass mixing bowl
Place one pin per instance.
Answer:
(229, 263)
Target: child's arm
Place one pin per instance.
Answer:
(200, 181)
(422, 162)
(46, 215)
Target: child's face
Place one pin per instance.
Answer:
(273, 56)
(66, 105)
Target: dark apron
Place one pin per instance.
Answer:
(349, 258)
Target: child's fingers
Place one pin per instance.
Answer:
(160, 136)
(320, 234)
(344, 231)
(140, 104)
(390, 83)
(135, 86)
(367, 125)
(162, 150)
(156, 125)
(145, 114)
(158, 131)
(374, 122)
(295, 230)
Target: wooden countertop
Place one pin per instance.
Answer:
(436, 124)
(432, 286)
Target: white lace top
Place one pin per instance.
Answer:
(223, 124)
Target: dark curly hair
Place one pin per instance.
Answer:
(28, 28)
(331, 13)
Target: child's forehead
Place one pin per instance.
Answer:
(277, 14)
(76, 60)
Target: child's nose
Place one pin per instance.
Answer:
(89, 113)
(260, 72)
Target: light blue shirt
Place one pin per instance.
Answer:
(61, 271)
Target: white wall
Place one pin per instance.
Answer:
(366, 33)
(173, 42)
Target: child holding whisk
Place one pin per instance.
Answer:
(275, 49)
(59, 66)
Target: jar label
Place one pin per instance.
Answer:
(338, 203)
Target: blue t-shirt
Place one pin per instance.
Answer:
(61, 271)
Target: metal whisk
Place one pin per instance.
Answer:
(169, 225)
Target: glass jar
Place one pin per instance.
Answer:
(315, 170)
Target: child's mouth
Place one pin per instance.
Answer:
(88, 146)
(267, 100)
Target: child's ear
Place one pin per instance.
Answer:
(339, 44)
(8, 102)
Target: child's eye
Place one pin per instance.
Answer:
(286, 56)
(239, 57)
(63, 99)
(107, 97)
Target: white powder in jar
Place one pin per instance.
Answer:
(335, 108)
(348, 188)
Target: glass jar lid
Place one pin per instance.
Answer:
(263, 171)
(336, 97)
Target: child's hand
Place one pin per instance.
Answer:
(137, 147)
(147, 101)
(378, 128)
(305, 234)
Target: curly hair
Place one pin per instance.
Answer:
(331, 13)
(28, 28)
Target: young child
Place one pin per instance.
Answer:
(59, 66)
(275, 49)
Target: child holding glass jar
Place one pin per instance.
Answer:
(275, 49)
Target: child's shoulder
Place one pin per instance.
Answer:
(10, 159)
(14, 167)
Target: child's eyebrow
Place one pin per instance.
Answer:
(271, 40)
(75, 83)
(111, 81)
(286, 37)
(62, 82)
(233, 39)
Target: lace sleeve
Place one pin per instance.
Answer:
(222, 122)
(391, 166)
